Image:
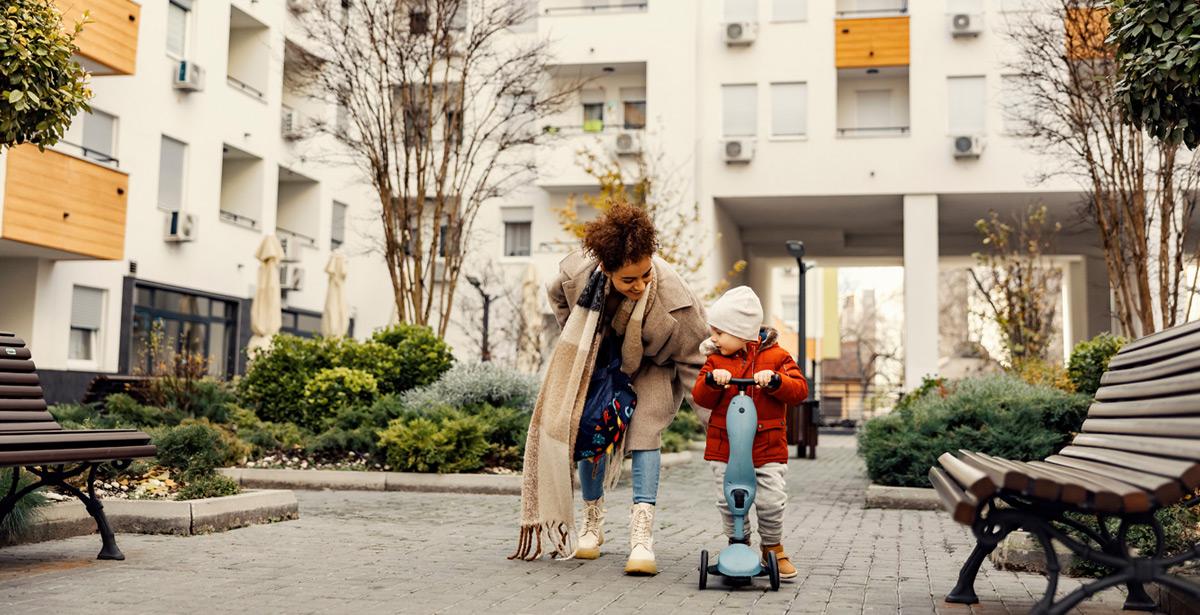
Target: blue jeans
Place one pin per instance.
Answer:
(645, 477)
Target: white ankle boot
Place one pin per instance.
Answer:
(592, 534)
(641, 541)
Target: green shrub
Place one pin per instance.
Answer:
(265, 437)
(1181, 530)
(121, 410)
(452, 444)
(1040, 372)
(211, 486)
(686, 424)
(204, 398)
(25, 512)
(929, 385)
(74, 416)
(998, 415)
(273, 386)
(423, 356)
(194, 450)
(473, 384)
(1089, 359)
(673, 442)
(333, 389)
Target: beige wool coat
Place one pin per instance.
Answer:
(672, 331)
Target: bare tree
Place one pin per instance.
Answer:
(438, 105)
(1018, 283)
(1141, 193)
(515, 324)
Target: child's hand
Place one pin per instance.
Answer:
(763, 378)
(722, 377)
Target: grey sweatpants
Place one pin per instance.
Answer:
(770, 500)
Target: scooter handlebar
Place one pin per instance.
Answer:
(743, 383)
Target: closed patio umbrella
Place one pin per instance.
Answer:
(335, 320)
(265, 315)
(529, 351)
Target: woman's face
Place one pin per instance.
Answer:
(632, 279)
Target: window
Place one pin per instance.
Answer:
(789, 109)
(418, 22)
(170, 174)
(458, 21)
(87, 312)
(518, 227)
(529, 11)
(789, 10)
(300, 324)
(1012, 93)
(741, 10)
(873, 108)
(964, 6)
(342, 119)
(99, 132)
(182, 322)
(739, 116)
(633, 101)
(966, 105)
(593, 110)
(337, 233)
(177, 27)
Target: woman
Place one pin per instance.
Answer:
(615, 286)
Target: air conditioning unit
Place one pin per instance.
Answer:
(291, 249)
(627, 144)
(189, 77)
(740, 32)
(737, 150)
(179, 226)
(968, 146)
(289, 124)
(299, 6)
(965, 24)
(291, 277)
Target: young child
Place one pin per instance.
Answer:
(740, 347)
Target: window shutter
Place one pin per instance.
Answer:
(87, 308)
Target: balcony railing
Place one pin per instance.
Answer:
(238, 84)
(576, 8)
(86, 152)
(873, 131)
(582, 129)
(238, 219)
(301, 238)
(900, 7)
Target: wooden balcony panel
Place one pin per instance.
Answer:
(1085, 30)
(110, 41)
(40, 187)
(871, 42)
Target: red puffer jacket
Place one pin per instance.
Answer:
(770, 443)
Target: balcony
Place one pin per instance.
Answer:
(551, 8)
(873, 102)
(108, 45)
(859, 9)
(73, 207)
(871, 42)
(249, 54)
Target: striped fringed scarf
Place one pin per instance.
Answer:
(547, 509)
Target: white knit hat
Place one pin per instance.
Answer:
(738, 312)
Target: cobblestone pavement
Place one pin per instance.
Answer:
(362, 552)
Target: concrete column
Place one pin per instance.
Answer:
(920, 288)
(1100, 314)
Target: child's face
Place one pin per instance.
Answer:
(726, 343)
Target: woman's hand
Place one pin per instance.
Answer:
(763, 378)
(722, 377)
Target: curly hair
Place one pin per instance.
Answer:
(624, 234)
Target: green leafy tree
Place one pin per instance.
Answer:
(41, 86)
(1158, 55)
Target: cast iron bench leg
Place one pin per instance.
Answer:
(964, 591)
(109, 549)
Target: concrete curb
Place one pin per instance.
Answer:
(70, 518)
(902, 498)
(349, 480)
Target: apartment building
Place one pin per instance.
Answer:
(872, 130)
(147, 215)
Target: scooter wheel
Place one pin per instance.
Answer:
(703, 568)
(773, 570)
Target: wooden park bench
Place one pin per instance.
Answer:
(32, 439)
(1138, 451)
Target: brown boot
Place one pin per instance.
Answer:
(787, 571)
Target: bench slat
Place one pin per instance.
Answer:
(16, 365)
(1188, 427)
(1160, 337)
(68, 438)
(1186, 472)
(1156, 447)
(1000, 474)
(1152, 354)
(30, 426)
(1184, 363)
(1162, 387)
(13, 354)
(1043, 486)
(21, 405)
(30, 416)
(959, 504)
(8, 340)
(972, 480)
(10, 378)
(101, 453)
(1107, 494)
(20, 392)
(1165, 490)
(1181, 405)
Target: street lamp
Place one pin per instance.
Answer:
(808, 419)
(485, 354)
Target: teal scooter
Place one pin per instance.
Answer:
(738, 564)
